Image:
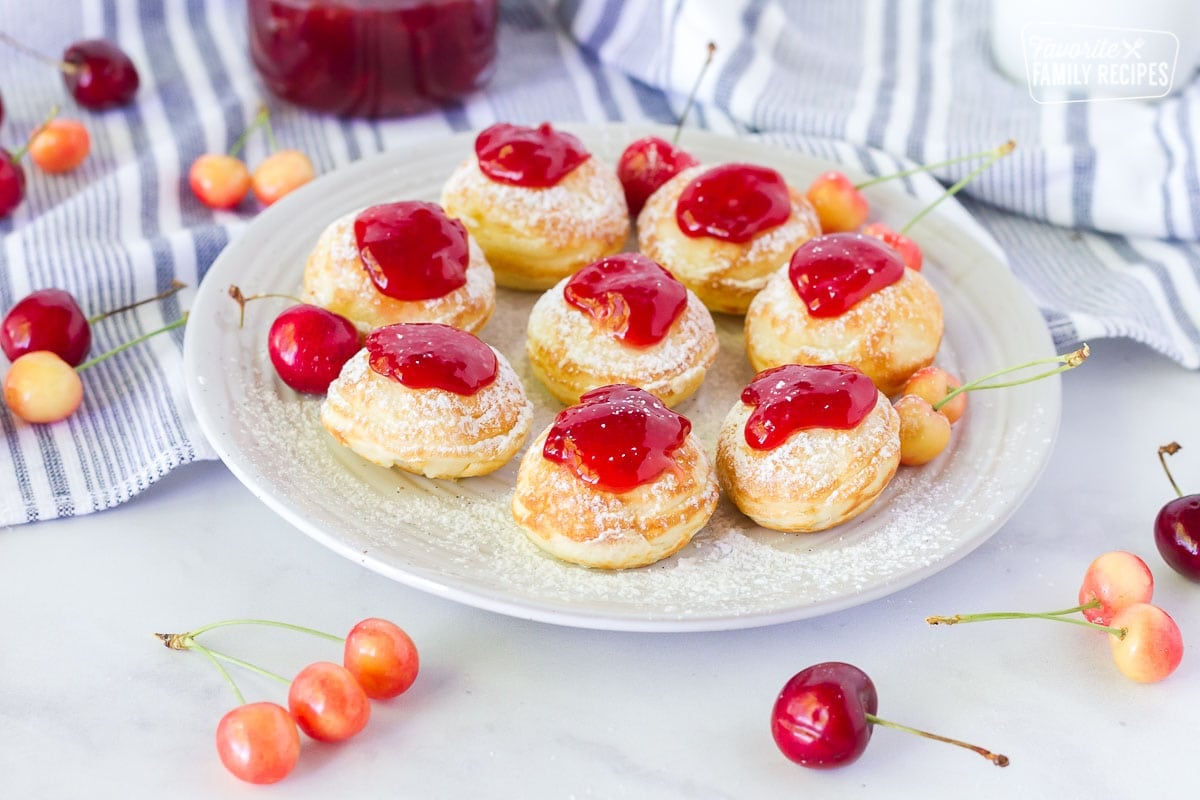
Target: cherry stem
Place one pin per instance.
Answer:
(18, 154)
(999, 153)
(1055, 616)
(21, 47)
(241, 300)
(1065, 362)
(691, 101)
(991, 151)
(187, 641)
(94, 361)
(176, 285)
(262, 117)
(998, 759)
(1169, 450)
(266, 622)
(241, 698)
(266, 673)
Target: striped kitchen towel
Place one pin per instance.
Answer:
(1078, 211)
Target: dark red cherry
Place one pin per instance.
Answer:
(1177, 526)
(630, 295)
(647, 164)
(617, 438)
(532, 157)
(100, 74)
(308, 346)
(832, 273)
(429, 355)
(795, 397)
(820, 717)
(12, 183)
(734, 203)
(412, 250)
(48, 319)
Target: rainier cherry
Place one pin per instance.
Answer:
(840, 206)
(218, 180)
(1146, 643)
(279, 174)
(1177, 526)
(906, 247)
(649, 162)
(328, 703)
(382, 658)
(258, 742)
(60, 145)
(824, 716)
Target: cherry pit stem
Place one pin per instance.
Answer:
(91, 362)
(1169, 450)
(996, 154)
(691, 101)
(949, 162)
(1064, 362)
(998, 759)
(241, 299)
(21, 47)
(1056, 616)
(175, 286)
(264, 622)
(263, 117)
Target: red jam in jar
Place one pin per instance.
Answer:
(630, 295)
(536, 158)
(372, 58)
(412, 250)
(794, 398)
(734, 203)
(428, 355)
(617, 438)
(832, 273)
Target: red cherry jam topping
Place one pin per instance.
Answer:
(794, 398)
(532, 157)
(411, 250)
(630, 295)
(428, 355)
(734, 203)
(617, 438)
(832, 273)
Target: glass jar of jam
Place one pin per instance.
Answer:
(372, 58)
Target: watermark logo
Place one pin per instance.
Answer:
(1087, 63)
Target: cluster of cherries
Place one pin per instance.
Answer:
(260, 742)
(222, 180)
(99, 75)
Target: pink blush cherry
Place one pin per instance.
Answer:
(308, 346)
(840, 206)
(1150, 647)
(648, 163)
(1118, 580)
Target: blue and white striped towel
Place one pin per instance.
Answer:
(912, 78)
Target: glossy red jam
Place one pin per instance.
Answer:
(617, 438)
(794, 398)
(832, 273)
(372, 58)
(734, 203)
(428, 355)
(630, 295)
(412, 250)
(536, 158)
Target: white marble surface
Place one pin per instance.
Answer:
(92, 706)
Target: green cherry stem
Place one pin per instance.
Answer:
(691, 101)
(91, 362)
(997, 154)
(176, 285)
(1065, 362)
(268, 623)
(1169, 450)
(241, 698)
(989, 153)
(1055, 616)
(261, 118)
(998, 759)
(20, 152)
(266, 673)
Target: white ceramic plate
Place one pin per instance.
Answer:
(457, 539)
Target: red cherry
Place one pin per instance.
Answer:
(12, 183)
(99, 74)
(820, 717)
(48, 319)
(308, 346)
(647, 164)
(1177, 527)
(908, 250)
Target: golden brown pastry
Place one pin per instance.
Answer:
(401, 262)
(615, 482)
(429, 399)
(862, 307)
(807, 448)
(623, 319)
(723, 230)
(539, 204)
